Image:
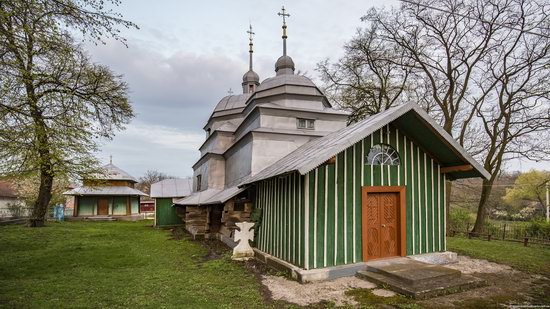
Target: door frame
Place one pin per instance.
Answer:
(402, 216)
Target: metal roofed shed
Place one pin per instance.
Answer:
(164, 193)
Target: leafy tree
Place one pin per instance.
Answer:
(150, 177)
(529, 186)
(55, 103)
(484, 67)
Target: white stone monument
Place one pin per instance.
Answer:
(242, 250)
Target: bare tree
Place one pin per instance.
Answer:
(486, 69)
(54, 102)
(150, 177)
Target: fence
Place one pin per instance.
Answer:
(518, 232)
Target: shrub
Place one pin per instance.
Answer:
(538, 228)
(459, 219)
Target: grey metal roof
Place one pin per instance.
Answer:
(285, 79)
(113, 172)
(316, 152)
(175, 187)
(108, 190)
(209, 196)
(232, 101)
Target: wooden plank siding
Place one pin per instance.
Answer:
(314, 220)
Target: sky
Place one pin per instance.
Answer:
(187, 55)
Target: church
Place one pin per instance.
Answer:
(322, 194)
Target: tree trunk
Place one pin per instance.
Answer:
(482, 206)
(40, 206)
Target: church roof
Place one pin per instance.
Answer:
(413, 120)
(285, 79)
(107, 190)
(232, 102)
(209, 196)
(113, 172)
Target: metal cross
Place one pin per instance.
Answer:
(250, 33)
(283, 14)
(230, 92)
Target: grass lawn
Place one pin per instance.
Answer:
(116, 264)
(533, 259)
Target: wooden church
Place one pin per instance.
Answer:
(323, 195)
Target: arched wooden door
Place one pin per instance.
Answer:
(383, 226)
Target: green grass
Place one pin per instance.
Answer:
(116, 264)
(533, 258)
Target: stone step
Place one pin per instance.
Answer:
(412, 272)
(426, 288)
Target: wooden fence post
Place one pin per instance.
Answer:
(489, 237)
(504, 232)
(525, 241)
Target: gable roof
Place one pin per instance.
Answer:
(176, 187)
(409, 118)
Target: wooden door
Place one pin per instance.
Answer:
(103, 206)
(381, 227)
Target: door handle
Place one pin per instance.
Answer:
(383, 225)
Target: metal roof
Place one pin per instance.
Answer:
(209, 196)
(108, 190)
(232, 101)
(285, 79)
(175, 187)
(316, 152)
(113, 172)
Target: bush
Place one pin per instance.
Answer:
(538, 228)
(459, 219)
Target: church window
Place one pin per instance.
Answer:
(305, 123)
(382, 154)
(199, 180)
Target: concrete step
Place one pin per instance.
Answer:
(426, 289)
(100, 218)
(412, 272)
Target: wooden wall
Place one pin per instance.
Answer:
(325, 204)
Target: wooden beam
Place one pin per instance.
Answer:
(331, 161)
(456, 168)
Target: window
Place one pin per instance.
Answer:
(302, 123)
(199, 180)
(382, 154)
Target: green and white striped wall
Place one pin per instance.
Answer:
(314, 220)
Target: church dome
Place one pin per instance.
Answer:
(284, 65)
(251, 76)
(285, 79)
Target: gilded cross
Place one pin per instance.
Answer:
(283, 14)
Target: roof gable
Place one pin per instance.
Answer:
(410, 118)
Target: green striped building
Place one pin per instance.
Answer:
(375, 189)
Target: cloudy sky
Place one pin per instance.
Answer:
(188, 54)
